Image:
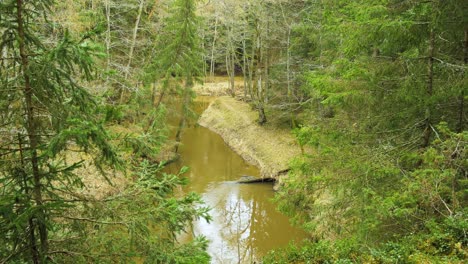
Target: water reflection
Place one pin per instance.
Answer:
(245, 223)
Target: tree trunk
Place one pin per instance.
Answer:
(184, 112)
(257, 69)
(288, 76)
(230, 60)
(430, 86)
(461, 108)
(288, 66)
(252, 70)
(164, 85)
(33, 136)
(230, 70)
(132, 46)
(266, 64)
(154, 92)
(25, 187)
(108, 39)
(260, 99)
(244, 66)
(232, 66)
(212, 61)
(203, 57)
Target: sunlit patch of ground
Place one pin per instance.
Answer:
(218, 86)
(267, 147)
(95, 184)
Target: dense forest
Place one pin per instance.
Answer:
(373, 91)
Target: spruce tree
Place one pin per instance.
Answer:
(379, 175)
(179, 56)
(45, 112)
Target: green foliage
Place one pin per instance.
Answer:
(148, 143)
(305, 136)
(363, 177)
(312, 252)
(373, 62)
(46, 117)
(146, 218)
(380, 212)
(47, 112)
(113, 113)
(178, 50)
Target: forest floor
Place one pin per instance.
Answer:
(268, 147)
(95, 185)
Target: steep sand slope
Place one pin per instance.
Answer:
(264, 146)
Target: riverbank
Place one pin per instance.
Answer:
(266, 147)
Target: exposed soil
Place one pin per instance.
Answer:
(267, 147)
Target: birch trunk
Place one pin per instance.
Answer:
(132, 46)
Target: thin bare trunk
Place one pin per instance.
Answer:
(184, 112)
(161, 96)
(132, 46)
(461, 108)
(288, 65)
(288, 76)
(203, 57)
(252, 69)
(233, 71)
(259, 80)
(134, 37)
(266, 71)
(251, 72)
(429, 91)
(230, 64)
(213, 45)
(229, 70)
(108, 38)
(244, 66)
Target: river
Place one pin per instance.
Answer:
(245, 223)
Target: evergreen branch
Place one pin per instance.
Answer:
(94, 221)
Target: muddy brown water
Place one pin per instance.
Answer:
(246, 224)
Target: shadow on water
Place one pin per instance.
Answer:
(245, 222)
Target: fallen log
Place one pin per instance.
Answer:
(252, 179)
